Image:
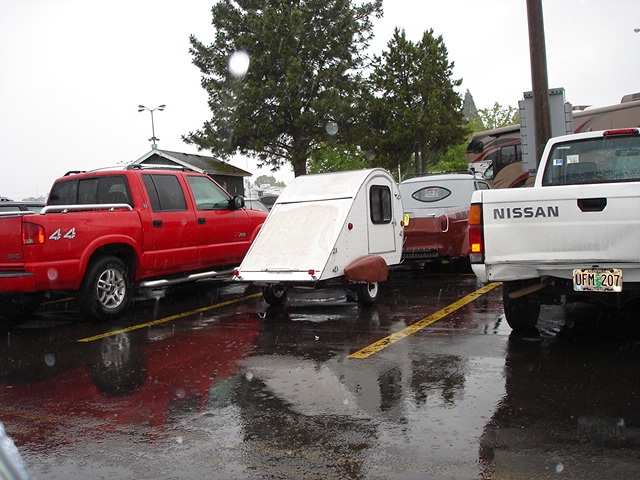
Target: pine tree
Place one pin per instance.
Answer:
(300, 90)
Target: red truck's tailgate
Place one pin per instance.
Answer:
(13, 278)
(11, 256)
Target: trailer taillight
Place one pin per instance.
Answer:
(476, 245)
(32, 234)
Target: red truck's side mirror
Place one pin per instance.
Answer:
(238, 202)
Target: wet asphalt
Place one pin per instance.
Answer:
(209, 382)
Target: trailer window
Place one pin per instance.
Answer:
(380, 202)
(431, 194)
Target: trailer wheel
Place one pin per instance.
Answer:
(106, 289)
(367, 293)
(521, 313)
(274, 295)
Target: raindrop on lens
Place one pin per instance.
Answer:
(50, 359)
(331, 128)
(239, 63)
(180, 393)
(249, 376)
(559, 467)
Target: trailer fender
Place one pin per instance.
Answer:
(367, 269)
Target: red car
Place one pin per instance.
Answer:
(438, 211)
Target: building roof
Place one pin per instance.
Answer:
(208, 165)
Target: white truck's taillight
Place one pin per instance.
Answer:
(476, 246)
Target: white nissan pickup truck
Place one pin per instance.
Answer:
(574, 235)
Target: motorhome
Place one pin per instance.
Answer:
(497, 153)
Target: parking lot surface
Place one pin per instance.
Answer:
(211, 382)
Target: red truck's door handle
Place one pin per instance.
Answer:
(202, 221)
(592, 204)
(157, 223)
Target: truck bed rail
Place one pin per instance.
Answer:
(82, 208)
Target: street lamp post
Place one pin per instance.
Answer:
(153, 139)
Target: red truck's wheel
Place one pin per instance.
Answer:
(106, 289)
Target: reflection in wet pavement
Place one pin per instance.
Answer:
(241, 390)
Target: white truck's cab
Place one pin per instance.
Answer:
(327, 226)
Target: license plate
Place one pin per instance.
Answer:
(597, 280)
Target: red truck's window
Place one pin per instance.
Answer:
(108, 189)
(207, 194)
(165, 192)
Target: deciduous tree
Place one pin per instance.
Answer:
(498, 116)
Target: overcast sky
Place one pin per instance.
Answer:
(73, 72)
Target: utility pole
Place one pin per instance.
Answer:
(539, 77)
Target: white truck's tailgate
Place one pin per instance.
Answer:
(563, 224)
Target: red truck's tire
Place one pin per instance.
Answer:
(106, 291)
(521, 313)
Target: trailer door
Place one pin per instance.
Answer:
(382, 238)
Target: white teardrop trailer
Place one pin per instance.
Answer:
(342, 227)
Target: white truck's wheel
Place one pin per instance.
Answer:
(521, 313)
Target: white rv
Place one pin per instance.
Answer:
(342, 225)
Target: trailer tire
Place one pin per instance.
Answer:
(521, 313)
(274, 295)
(367, 293)
(106, 290)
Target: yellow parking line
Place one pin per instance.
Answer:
(420, 324)
(168, 319)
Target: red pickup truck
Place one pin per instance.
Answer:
(107, 233)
